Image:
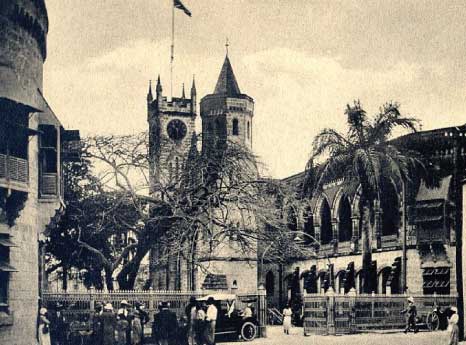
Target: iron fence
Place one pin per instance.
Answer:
(343, 314)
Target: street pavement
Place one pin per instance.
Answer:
(275, 336)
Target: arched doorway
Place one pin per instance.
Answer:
(326, 233)
(383, 279)
(345, 225)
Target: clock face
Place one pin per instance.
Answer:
(176, 129)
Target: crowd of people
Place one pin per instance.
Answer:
(125, 326)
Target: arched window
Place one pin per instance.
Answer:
(235, 127)
(249, 131)
(345, 225)
(390, 210)
(269, 283)
(326, 233)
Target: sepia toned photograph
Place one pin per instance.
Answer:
(201, 172)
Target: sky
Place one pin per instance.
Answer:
(301, 60)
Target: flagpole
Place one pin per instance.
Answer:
(172, 49)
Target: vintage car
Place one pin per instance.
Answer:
(230, 320)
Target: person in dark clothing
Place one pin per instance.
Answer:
(96, 324)
(144, 317)
(411, 313)
(182, 333)
(165, 325)
(58, 325)
(125, 310)
(108, 325)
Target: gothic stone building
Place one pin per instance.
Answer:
(32, 143)
(226, 115)
(431, 218)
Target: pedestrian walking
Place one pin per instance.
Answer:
(411, 313)
(287, 313)
(165, 325)
(454, 330)
(190, 312)
(108, 325)
(211, 320)
(199, 324)
(44, 327)
(121, 328)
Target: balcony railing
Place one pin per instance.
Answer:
(14, 172)
(49, 184)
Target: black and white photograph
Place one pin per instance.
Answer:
(220, 172)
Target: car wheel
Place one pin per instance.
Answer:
(248, 331)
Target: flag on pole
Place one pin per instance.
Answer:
(179, 5)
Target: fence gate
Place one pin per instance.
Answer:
(315, 314)
(343, 314)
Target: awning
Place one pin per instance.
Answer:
(6, 242)
(438, 193)
(12, 90)
(5, 267)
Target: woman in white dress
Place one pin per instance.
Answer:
(287, 319)
(44, 327)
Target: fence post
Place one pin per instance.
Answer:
(262, 311)
(151, 299)
(331, 311)
(352, 304)
(91, 299)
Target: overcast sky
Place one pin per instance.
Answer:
(301, 61)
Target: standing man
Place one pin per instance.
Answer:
(96, 324)
(165, 325)
(57, 325)
(211, 319)
(124, 310)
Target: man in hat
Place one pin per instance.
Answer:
(411, 313)
(124, 312)
(165, 325)
(57, 325)
(211, 320)
(96, 324)
(108, 325)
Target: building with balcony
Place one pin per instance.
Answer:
(33, 146)
(431, 217)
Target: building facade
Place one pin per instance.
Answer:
(226, 116)
(32, 148)
(429, 219)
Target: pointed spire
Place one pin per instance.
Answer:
(193, 88)
(183, 95)
(158, 88)
(226, 83)
(150, 97)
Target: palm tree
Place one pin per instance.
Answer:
(363, 157)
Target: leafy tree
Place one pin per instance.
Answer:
(364, 157)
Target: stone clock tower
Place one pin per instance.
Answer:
(171, 128)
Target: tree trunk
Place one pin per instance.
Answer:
(366, 233)
(128, 274)
(109, 279)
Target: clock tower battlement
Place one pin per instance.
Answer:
(171, 129)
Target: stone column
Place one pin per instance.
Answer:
(262, 311)
(355, 235)
(331, 311)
